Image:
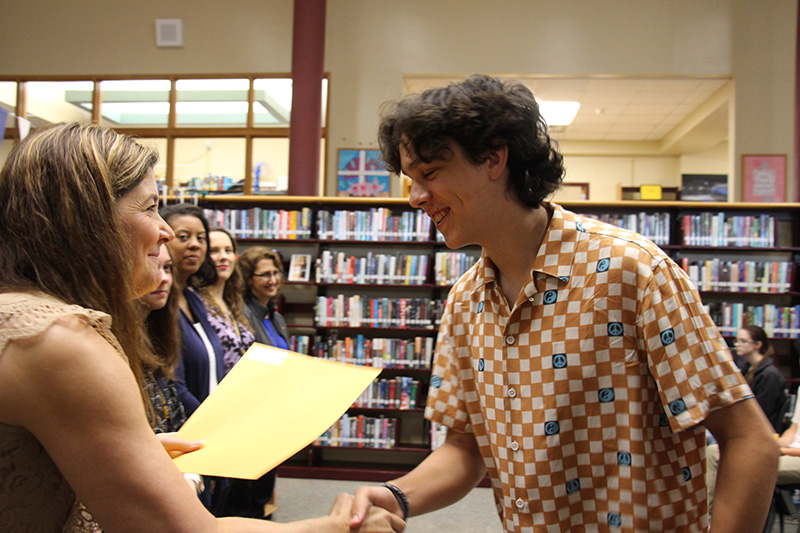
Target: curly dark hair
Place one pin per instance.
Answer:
(481, 114)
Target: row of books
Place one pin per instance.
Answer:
(719, 229)
(777, 321)
(739, 276)
(361, 350)
(654, 226)
(363, 312)
(209, 183)
(400, 269)
(395, 393)
(260, 223)
(361, 431)
(449, 266)
(377, 224)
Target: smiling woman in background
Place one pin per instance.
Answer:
(201, 364)
(262, 270)
(224, 299)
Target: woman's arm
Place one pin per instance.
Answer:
(74, 392)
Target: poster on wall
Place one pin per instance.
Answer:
(764, 178)
(362, 173)
(704, 187)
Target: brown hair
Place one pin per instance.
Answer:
(58, 193)
(164, 333)
(481, 114)
(250, 258)
(234, 287)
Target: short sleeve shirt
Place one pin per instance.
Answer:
(584, 396)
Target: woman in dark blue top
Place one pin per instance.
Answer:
(201, 364)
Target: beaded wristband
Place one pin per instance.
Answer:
(401, 498)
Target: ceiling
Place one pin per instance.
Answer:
(675, 115)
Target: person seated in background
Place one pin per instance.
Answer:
(224, 301)
(764, 378)
(789, 443)
(768, 386)
(80, 244)
(262, 270)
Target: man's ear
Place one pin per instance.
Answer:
(496, 162)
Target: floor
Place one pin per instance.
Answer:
(306, 498)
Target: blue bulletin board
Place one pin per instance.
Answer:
(362, 173)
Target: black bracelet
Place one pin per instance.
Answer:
(401, 498)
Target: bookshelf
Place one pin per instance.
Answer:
(380, 274)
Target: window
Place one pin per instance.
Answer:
(213, 133)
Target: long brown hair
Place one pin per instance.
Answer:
(234, 286)
(62, 234)
(163, 331)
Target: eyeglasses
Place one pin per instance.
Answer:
(270, 274)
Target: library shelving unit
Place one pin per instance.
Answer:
(380, 276)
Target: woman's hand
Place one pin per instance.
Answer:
(377, 520)
(176, 446)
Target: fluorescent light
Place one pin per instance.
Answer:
(557, 113)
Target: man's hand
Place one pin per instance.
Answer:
(375, 519)
(368, 497)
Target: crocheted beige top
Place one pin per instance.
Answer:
(34, 496)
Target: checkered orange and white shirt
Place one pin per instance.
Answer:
(584, 398)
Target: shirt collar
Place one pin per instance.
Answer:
(559, 240)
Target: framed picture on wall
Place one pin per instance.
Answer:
(361, 173)
(300, 267)
(704, 187)
(764, 178)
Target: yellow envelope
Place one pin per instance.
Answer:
(270, 406)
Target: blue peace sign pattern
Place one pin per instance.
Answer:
(480, 307)
(615, 329)
(624, 458)
(573, 486)
(667, 336)
(614, 519)
(436, 382)
(480, 364)
(687, 474)
(560, 360)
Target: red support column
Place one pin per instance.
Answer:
(305, 128)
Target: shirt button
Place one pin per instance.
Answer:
(512, 393)
(520, 503)
(515, 445)
(510, 339)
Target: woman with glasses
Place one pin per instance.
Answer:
(262, 270)
(768, 385)
(762, 375)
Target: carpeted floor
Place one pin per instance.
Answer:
(305, 498)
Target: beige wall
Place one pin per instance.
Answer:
(371, 44)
